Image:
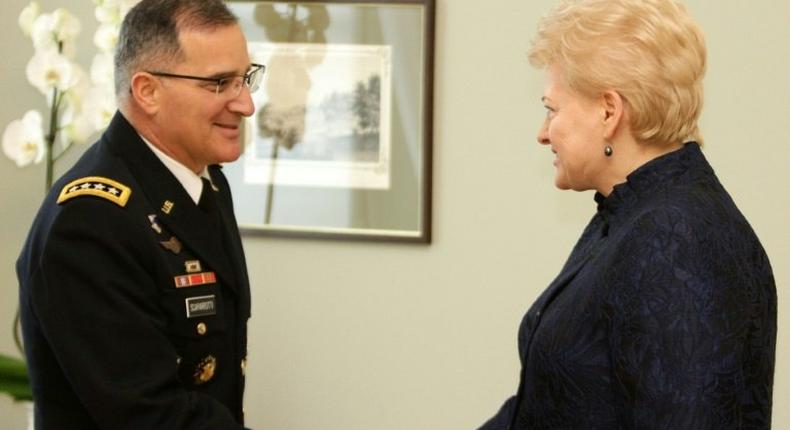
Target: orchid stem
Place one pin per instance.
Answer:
(53, 130)
(16, 330)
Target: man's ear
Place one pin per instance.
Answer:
(613, 108)
(146, 92)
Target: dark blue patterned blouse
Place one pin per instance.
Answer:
(663, 317)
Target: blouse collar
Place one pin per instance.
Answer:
(652, 177)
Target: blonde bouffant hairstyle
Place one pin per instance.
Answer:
(651, 52)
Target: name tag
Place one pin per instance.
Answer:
(201, 306)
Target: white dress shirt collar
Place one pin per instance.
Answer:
(188, 179)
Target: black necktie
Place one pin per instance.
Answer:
(207, 201)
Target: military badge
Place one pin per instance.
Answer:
(204, 371)
(154, 225)
(167, 206)
(195, 279)
(192, 266)
(173, 245)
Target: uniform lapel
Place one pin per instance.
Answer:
(231, 232)
(171, 203)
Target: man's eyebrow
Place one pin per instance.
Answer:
(545, 99)
(230, 73)
(221, 75)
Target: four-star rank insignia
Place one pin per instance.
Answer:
(96, 186)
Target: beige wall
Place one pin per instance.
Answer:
(391, 337)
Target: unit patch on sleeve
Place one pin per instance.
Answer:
(96, 186)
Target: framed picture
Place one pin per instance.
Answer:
(340, 145)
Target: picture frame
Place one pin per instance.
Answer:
(340, 144)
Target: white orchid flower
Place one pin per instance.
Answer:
(71, 104)
(68, 116)
(70, 119)
(106, 37)
(28, 16)
(50, 29)
(23, 140)
(41, 32)
(112, 11)
(103, 68)
(65, 26)
(107, 12)
(82, 84)
(86, 104)
(81, 129)
(78, 119)
(49, 69)
(99, 105)
(78, 131)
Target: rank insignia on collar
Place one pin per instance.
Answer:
(173, 245)
(167, 206)
(195, 279)
(96, 186)
(192, 266)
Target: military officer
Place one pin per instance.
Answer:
(134, 293)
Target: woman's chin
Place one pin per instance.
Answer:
(562, 183)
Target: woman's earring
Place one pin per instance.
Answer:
(607, 151)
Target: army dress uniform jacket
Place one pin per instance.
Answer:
(134, 300)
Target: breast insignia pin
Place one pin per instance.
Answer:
(154, 224)
(205, 370)
(173, 245)
(192, 266)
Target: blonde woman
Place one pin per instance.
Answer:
(664, 315)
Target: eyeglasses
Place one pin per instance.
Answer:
(229, 86)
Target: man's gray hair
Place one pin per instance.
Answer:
(149, 34)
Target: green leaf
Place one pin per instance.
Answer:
(13, 378)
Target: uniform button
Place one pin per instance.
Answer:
(201, 328)
(243, 367)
